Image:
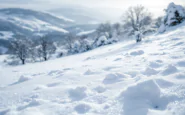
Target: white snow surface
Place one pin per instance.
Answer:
(31, 23)
(6, 35)
(127, 78)
(85, 32)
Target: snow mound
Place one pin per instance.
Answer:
(163, 83)
(82, 108)
(100, 89)
(150, 71)
(89, 72)
(39, 87)
(139, 98)
(169, 70)
(155, 64)
(24, 78)
(114, 77)
(54, 84)
(180, 76)
(181, 63)
(135, 53)
(78, 93)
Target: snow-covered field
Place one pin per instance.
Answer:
(127, 78)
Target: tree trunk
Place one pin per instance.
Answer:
(45, 58)
(23, 61)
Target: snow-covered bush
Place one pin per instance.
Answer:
(86, 45)
(112, 40)
(138, 36)
(76, 47)
(175, 14)
(61, 53)
(101, 41)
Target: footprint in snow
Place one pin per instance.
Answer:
(180, 76)
(39, 87)
(150, 71)
(170, 69)
(55, 72)
(78, 93)
(82, 108)
(181, 63)
(179, 43)
(53, 84)
(67, 69)
(155, 64)
(90, 72)
(114, 77)
(100, 89)
(32, 103)
(89, 58)
(174, 39)
(136, 53)
(118, 59)
(111, 68)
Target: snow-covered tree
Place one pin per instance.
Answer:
(21, 48)
(104, 30)
(137, 19)
(117, 28)
(69, 40)
(102, 40)
(46, 47)
(76, 47)
(175, 14)
(85, 45)
(158, 21)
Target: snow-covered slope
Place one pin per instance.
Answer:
(126, 78)
(26, 21)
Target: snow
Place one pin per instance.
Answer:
(24, 78)
(85, 32)
(30, 23)
(126, 78)
(6, 35)
(101, 41)
(169, 19)
(3, 50)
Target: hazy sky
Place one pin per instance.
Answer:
(155, 6)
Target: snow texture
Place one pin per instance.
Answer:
(126, 78)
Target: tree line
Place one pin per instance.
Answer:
(136, 21)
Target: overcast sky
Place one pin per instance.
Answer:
(155, 6)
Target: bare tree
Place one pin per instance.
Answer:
(69, 40)
(137, 19)
(117, 28)
(104, 29)
(158, 21)
(20, 47)
(46, 47)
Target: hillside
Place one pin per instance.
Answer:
(26, 21)
(32, 24)
(126, 78)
